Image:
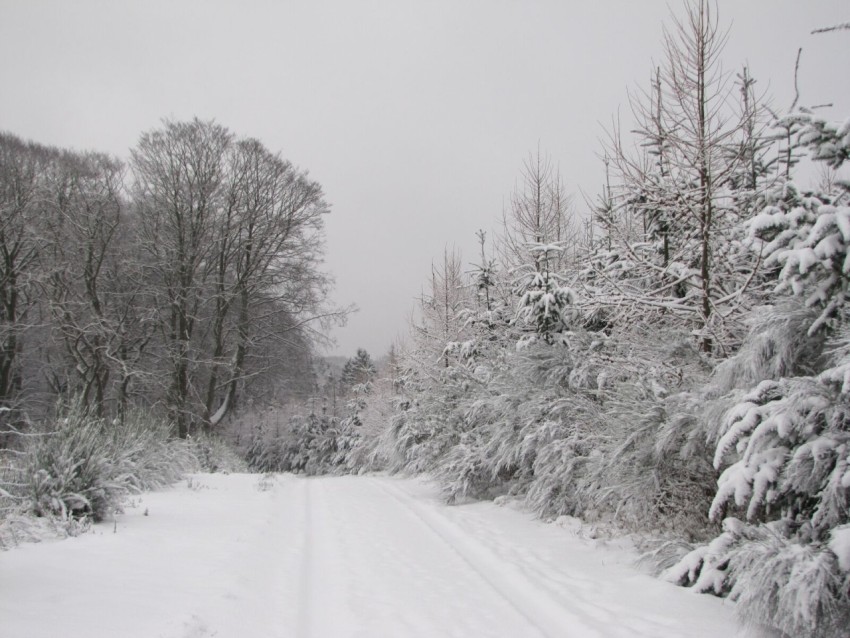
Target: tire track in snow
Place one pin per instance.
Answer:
(303, 627)
(533, 603)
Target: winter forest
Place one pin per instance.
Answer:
(672, 364)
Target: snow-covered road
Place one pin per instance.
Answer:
(244, 556)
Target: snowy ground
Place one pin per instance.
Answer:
(252, 557)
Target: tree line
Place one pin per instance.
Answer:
(676, 365)
(187, 280)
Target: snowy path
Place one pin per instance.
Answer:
(335, 557)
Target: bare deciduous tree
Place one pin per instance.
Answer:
(22, 200)
(234, 238)
(86, 190)
(696, 171)
(440, 322)
(540, 212)
(179, 171)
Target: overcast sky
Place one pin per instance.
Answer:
(414, 116)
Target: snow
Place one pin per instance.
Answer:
(842, 220)
(770, 217)
(271, 556)
(222, 410)
(840, 546)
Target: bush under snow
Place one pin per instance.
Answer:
(84, 467)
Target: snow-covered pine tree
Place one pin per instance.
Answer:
(784, 445)
(806, 235)
(357, 370)
(546, 306)
(429, 420)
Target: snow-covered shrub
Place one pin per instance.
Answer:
(9, 475)
(87, 465)
(421, 439)
(532, 413)
(777, 579)
(777, 443)
(635, 453)
(148, 451)
(426, 427)
(778, 345)
(779, 413)
(783, 443)
(284, 441)
(311, 444)
(796, 587)
(18, 527)
(559, 468)
(278, 436)
(316, 446)
(596, 427)
(463, 471)
(646, 472)
(268, 449)
(363, 440)
(284, 447)
(214, 454)
(591, 426)
(806, 237)
(389, 444)
(790, 446)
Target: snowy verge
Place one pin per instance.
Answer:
(274, 556)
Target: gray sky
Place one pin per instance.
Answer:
(414, 116)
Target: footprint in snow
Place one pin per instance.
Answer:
(197, 628)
